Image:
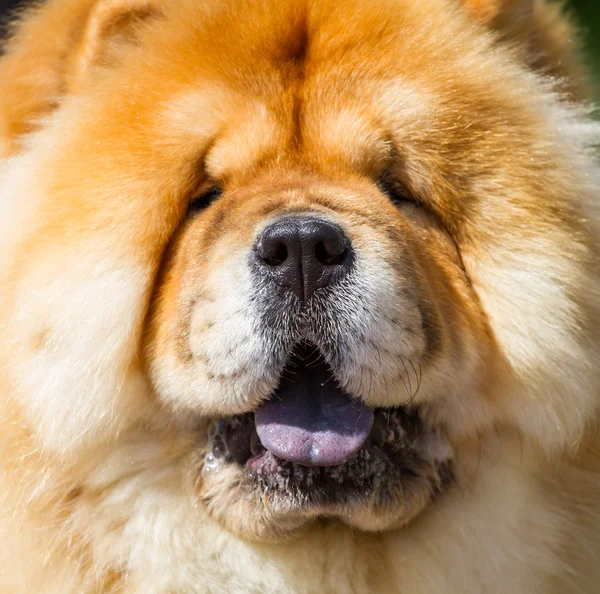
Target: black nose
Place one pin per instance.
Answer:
(303, 253)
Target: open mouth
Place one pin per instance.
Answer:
(313, 444)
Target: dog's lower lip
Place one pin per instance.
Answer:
(236, 438)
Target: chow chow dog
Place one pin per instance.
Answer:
(298, 296)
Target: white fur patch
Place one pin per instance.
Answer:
(72, 323)
(79, 381)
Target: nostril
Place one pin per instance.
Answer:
(330, 256)
(303, 253)
(277, 256)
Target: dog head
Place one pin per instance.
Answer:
(329, 242)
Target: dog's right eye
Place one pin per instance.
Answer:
(204, 199)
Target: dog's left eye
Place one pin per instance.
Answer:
(395, 192)
(204, 199)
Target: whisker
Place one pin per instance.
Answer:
(407, 376)
(418, 378)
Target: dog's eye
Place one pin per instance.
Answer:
(395, 192)
(204, 199)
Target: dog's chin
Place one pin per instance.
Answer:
(312, 452)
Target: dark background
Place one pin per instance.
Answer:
(588, 16)
(587, 13)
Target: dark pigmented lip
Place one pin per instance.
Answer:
(398, 449)
(236, 439)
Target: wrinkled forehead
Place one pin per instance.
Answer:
(335, 90)
(248, 132)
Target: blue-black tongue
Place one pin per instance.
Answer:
(310, 421)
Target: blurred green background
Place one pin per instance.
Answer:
(587, 13)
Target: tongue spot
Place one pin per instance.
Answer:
(310, 421)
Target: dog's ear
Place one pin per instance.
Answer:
(53, 50)
(111, 25)
(541, 31)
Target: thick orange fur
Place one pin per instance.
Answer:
(115, 113)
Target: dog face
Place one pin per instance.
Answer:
(327, 242)
(325, 297)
